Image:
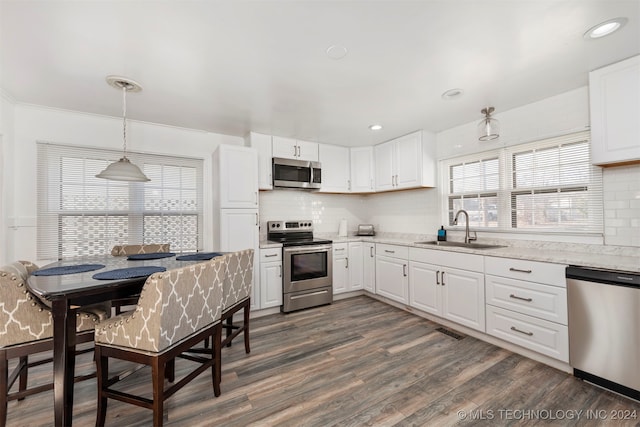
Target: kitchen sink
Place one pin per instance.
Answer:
(460, 245)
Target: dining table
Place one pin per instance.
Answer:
(69, 291)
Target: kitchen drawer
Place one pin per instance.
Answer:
(532, 271)
(270, 254)
(541, 301)
(392, 251)
(535, 334)
(340, 250)
(445, 258)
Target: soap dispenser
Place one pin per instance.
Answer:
(442, 234)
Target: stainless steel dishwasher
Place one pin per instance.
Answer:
(604, 328)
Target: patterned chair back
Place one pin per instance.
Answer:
(124, 250)
(173, 305)
(238, 281)
(23, 318)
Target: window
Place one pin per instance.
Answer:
(79, 214)
(545, 185)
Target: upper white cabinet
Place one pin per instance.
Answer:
(262, 143)
(614, 97)
(236, 177)
(334, 161)
(405, 162)
(296, 149)
(362, 170)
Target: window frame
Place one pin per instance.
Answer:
(51, 212)
(508, 192)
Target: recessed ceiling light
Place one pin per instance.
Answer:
(336, 52)
(375, 127)
(605, 28)
(453, 94)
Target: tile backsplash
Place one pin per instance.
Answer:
(622, 205)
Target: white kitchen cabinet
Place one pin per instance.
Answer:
(236, 177)
(334, 162)
(270, 277)
(405, 162)
(340, 267)
(614, 98)
(362, 170)
(448, 284)
(355, 266)
(262, 143)
(527, 304)
(369, 267)
(392, 274)
(296, 149)
(235, 205)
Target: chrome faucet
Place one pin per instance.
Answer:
(467, 237)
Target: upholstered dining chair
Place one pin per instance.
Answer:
(237, 296)
(26, 328)
(177, 310)
(126, 250)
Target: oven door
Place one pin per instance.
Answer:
(307, 267)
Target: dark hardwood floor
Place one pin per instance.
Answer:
(357, 362)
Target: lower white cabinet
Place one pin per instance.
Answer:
(392, 272)
(270, 277)
(369, 267)
(450, 292)
(527, 305)
(347, 267)
(340, 267)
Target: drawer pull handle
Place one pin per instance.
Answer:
(519, 270)
(389, 252)
(520, 298)
(308, 295)
(270, 255)
(339, 249)
(513, 328)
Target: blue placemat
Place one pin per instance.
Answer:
(67, 269)
(153, 255)
(199, 256)
(128, 273)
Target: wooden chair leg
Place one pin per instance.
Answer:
(246, 326)
(216, 352)
(4, 374)
(170, 370)
(24, 372)
(157, 378)
(102, 376)
(229, 329)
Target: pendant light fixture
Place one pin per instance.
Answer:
(488, 128)
(123, 169)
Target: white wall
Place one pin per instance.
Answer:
(33, 123)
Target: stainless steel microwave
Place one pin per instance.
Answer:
(288, 173)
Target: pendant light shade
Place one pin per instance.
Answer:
(488, 128)
(123, 169)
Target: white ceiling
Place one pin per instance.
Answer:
(234, 66)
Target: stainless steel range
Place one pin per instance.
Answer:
(307, 264)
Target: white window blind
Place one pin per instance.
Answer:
(547, 185)
(554, 186)
(79, 214)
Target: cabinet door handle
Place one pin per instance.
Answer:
(349, 184)
(256, 219)
(256, 194)
(442, 278)
(513, 328)
(389, 252)
(280, 270)
(347, 264)
(404, 270)
(437, 279)
(519, 270)
(371, 251)
(270, 255)
(295, 151)
(520, 298)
